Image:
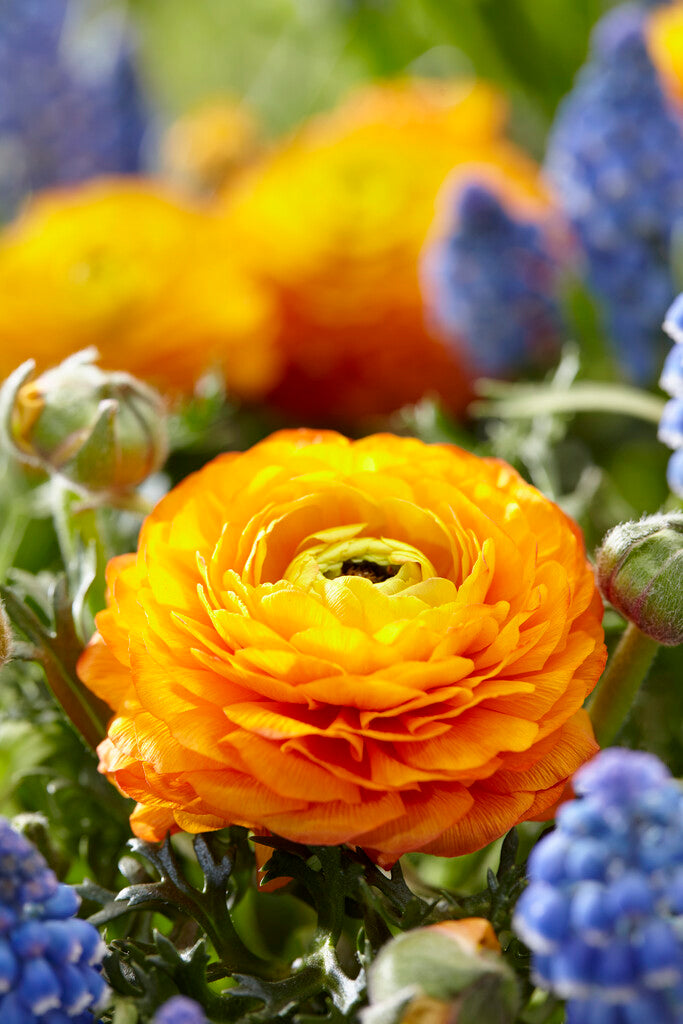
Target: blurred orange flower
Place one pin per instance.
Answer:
(380, 642)
(334, 220)
(665, 43)
(205, 147)
(123, 266)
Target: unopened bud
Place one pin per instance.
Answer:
(102, 431)
(448, 973)
(640, 572)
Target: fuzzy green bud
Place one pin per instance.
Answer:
(450, 973)
(640, 572)
(105, 432)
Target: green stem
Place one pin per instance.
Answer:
(620, 683)
(526, 401)
(80, 529)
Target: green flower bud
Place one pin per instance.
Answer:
(450, 973)
(640, 572)
(103, 431)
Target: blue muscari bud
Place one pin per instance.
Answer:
(39, 987)
(671, 423)
(180, 1010)
(671, 379)
(615, 157)
(70, 102)
(670, 430)
(9, 966)
(587, 858)
(674, 473)
(629, 895)
(64, 902)
(616, 944)
(50, 962)
(589, 914)
(673, 321)
(491, 285)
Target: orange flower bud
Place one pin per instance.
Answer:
(449, 973)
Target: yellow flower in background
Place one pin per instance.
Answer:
(379, 642)
(665, 44)
(334, 221)
(123, 266)
(205, 147)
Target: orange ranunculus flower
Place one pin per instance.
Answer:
(124, 266)
(379, 642)
(334, 220)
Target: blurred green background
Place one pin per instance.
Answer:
(290, 58)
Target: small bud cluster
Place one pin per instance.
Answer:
(604, 908)
(50, 961)
(615, 157)
(491, 283)
(671, 424)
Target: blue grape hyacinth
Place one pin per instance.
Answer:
(180, 1010)
(603, 913)
(671, 424)
(50, 961)
(615, 159)
(70, 101)
(490, 284)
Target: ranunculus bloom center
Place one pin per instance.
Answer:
(377, 642)
(344, 551)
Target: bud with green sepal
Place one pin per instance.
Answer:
(104, 432)
(640, 572)
(448, 973)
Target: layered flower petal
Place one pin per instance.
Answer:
(377, 642)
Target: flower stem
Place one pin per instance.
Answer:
(524, 401)
(620, 682)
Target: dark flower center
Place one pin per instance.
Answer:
(370, 570)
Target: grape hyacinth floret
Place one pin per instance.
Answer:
(615, 157)
(604, 908)
(671, 423)
(491, 284)
(50, 961)
(180, 1010)
(70, 101)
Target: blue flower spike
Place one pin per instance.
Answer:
(491, 285)
(50, 962)
(71, 106)
(615, 158)
(606, 931)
